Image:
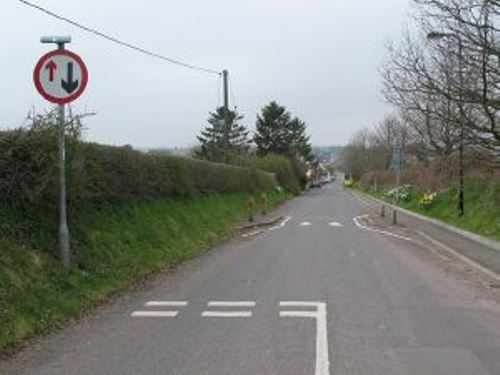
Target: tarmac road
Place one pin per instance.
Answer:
(316, 294)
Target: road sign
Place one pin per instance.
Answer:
(60, 76)
(398, 158)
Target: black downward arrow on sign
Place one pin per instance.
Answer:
(69, 85)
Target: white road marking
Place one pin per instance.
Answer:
(335, 224)
(166, 303)
(322, 360)
(358, 224)
(254, 233)
(468, 261)
(282, 224)
(154, 314)
(231, 303)
(226, 314)
(305, 224)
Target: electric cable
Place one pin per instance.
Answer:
(118, 41)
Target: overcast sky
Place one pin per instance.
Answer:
(319, 58)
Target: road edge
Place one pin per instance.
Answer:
(495, 245)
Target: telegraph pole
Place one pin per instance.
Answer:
(226, 114)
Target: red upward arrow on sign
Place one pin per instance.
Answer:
(51, 66)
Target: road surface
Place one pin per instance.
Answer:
(318, 293)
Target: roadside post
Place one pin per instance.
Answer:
(397, 163)
(60, 76)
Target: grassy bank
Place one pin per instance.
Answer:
(482, 205)
(114, 246)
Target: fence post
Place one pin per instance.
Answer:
(250, 208)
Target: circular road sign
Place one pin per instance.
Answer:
(60, 76)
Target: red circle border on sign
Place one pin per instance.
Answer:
(39, 67)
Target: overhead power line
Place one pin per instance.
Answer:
(118, 41)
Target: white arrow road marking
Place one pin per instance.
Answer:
(335, 224)
(305, 224)
(358, 224)
(159, 314)
(322, 361)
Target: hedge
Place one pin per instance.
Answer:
(282, 168)
(98, 173)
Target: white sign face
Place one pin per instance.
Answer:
(60, 76)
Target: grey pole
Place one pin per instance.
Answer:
(63, 223)
(63, 215)
(226, 114)
(461, 146)
(64, 247)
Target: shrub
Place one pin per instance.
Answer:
(282, 168)
(404, 193)
(427, 199)
(103, 174)
(349, 183)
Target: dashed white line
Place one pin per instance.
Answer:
(231, 303)
(358, 224)
(335, 224)
(167, 303)
(226, 314)
(305, 224)
(322, 360)
(154, 314)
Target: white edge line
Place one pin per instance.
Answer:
(226, 314)
(287, 219)
(355, 219)
(254, 233)
(232, 303)
(167, 303)
(154, 314)
(282, 224)
(463, 258)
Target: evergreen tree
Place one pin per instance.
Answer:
(278, 133)
(270, 133)
(214, 146)
(298, 140)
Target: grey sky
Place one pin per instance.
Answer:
(317, 57)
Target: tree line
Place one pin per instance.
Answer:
(226, 140)
(443, 80)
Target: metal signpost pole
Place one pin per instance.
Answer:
(226, 115)
(63, 215)
(61, 76)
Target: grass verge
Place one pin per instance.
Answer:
(114, 247)
(482, 206)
